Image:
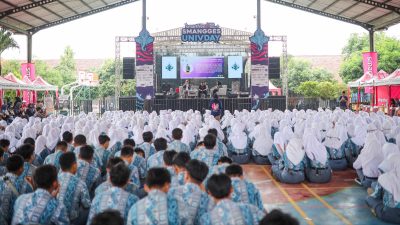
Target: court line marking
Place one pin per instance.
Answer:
(290, 199)
(326, 204)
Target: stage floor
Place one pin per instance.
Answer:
(339, 202)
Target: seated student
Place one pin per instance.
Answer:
(149, 150)
(238, 145)
(225, 212)
(115, 197)
(128, 157)
(79, 142)
(3, 169)
(355, 143)
(336, 150)
(30, 208)
(193, 202)
(158, 207)
(156, 160)
(4, 145)
(38, 148)
(130, 187)
(317, 167)
(54, 158)
(291, 167)
(262, 145)
(277, 217)
(179, 162)
(11, 188)
(388, 150)
(222, 149)
(140, 152)
(278, 147)
(168, 158)
(108, 217)
(223, 162)
(73, 192)
(87, 172)
(102, 152)
(177, 144)
(385, 200)
(243, 190)
(126, 142)
(68, 137)
(208, 153)
(368, 161)
(27, 152)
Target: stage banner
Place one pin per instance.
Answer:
(28, 73)
(144, 68)
(370, 62)
(259, 67)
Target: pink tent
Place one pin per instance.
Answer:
(13, 78)
(274, 90)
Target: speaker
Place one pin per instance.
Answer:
(274, 68)
(128, 68)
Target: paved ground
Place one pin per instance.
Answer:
(339, 202)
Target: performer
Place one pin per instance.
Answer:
(186, 88)
(202, 89)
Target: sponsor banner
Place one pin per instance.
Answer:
(370, 62)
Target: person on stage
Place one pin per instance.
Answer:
(202, 89)
(186, 88)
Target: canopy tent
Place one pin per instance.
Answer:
(272, 88)
(42, 85)
(392, 79)
(368, 79)
(7, 84)
(357, 83)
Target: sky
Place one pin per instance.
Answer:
(93, 37)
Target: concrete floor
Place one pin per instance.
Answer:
(339, 202)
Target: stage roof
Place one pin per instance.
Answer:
(30, 16)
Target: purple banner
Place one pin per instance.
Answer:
(202, 67)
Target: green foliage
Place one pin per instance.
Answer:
(388, 49)
(51, 75)
(67, 66)
(325, 90)
(6, 42)
(308, 89)
(12, 66)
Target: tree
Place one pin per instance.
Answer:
(12, 66)
(51, 75)
(308, 89)
(388, 49)
(67, 66)
(6, 42)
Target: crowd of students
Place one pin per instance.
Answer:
(184, 167)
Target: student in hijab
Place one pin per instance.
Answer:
(290, 169)
(355, 143)
(391, 156)
(335, 148)
(222, 149)
(281, 139)
(262, 145)
(368, 161)
(385, 200)
(238, 145)
(317, 169)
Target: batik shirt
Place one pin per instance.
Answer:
(89, 174)
(275, 152)
(8, 197)
(39, 207)
(156, 160)
(192, 203)
(246, 192)
(73, 194)
(285, 163)
(28, 171)
(148, 149)
(114, 198)
(140, 163)
(222, 149)
(209, 157)
(3, 170)
(54, 159)
(116, 148)
(227, 212)
(6, 155)
(178, 179)
(316, 164)
(105, 186)
(157, 208)
(96, 162)
(336, 153)
(103, 155)
(134, 174)
(219, 169)
(178, 146)
(387, 197)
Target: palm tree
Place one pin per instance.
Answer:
(6, 42)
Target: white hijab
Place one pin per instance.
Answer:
(238, 138)
(40, 144)
(263, 141)
(371, 155)
(294, 151)
(332, 139)
(390, 162)
(388, 149)
(315, 150)
(390, 181)
(52, 138)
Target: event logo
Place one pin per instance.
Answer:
(208, 32)
(235, 67)
(169, 67)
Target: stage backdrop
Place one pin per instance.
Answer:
(259, 67)
(144, 68)
(28, 73)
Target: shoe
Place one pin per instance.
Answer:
(358, 181)
(370, 191)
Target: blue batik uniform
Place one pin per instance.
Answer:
(89, 174)
(192, 203)
(8, 197)
(70, 148)
(148, 149)
(39, 207)
(222, 149)
(157, 208)
(156, 160)
(134, 178)
(54, 159)
(114, 198)
(6, 155)
(336, 153)
(73, 194)
(246, 192)
(103, 155)
(130, 187)
(209, 157)
(140, 164)
(227, 212)
(3, 170)
(116, 148)
(178, 179)
(178, 146)
(387, 197)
